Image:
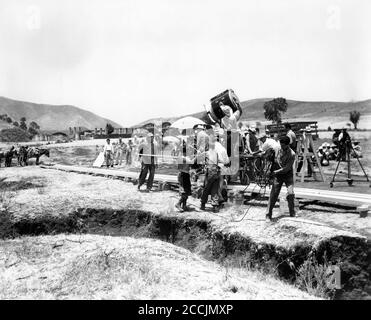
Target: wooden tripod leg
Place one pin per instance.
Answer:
(305, 160)
(317, 159)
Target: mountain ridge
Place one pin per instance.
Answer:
(327, 113)
(52, 117)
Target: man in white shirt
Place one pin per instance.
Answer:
(230, 119)
(109, 151)
(148, 152)
(215, 160)
(268, 144)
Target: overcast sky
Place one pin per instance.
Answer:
(130, 60)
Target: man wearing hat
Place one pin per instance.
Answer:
(184, 178)
(147, 155)
(251, 145)
(201, 141)
(268, 144)
(283, 173)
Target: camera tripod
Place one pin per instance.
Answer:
(348, 149)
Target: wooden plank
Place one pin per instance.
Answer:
(338, 197)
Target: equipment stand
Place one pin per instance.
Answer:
(303, 142)
(348, 149)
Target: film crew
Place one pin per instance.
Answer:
(322, 156)
(326, 151)
(229, 124)
(335, 137)
(184, 178)
(291, 134)
(202, 133)
(332, 152)
(268, 144)
(251, 141)
(282, 173)
(119, 152)
(129, 152)
(225, 169)
(357, 150)
(9, 156)
(214, 161)
(147, 155)
(109, 151)
(344, 143)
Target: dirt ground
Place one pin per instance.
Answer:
(48, 191)
(104, 267)
(108, 267)
(37, 192)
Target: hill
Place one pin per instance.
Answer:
(327, 113)
(52, 117)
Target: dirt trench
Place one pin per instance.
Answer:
(352, 254)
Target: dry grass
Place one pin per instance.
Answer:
(98, 267)
(63, 193)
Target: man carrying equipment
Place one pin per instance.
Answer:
(283, 173)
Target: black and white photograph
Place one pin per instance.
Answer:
(185, 152)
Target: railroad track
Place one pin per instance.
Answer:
(350, 199)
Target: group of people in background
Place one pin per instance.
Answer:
(116, 153)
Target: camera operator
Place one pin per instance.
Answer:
(344, 143)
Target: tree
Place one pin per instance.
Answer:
(354, 118)
(109, 128)
(16, 124)
(9, 120)
(23, 119)
(273, 109)
(23, 125)
(34, 125)
(32, 131)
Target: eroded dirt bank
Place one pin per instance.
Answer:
(350, 253)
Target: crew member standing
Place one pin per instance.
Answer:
(291, 134)
(119, 152)
(214, 162)
(147, 153)
(283, 173)
(109, 151)
(129, 150)
(184, 178)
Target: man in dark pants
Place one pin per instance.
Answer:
(147, 153)
(283, 173)
(9, 157)
(184, 178)
(292, 136)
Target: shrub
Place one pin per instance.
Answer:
(315, 278)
